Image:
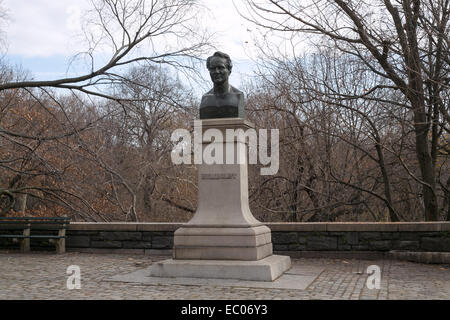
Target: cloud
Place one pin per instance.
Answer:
(41, 27)
(45, 32)
(47, 27)
(231, 29)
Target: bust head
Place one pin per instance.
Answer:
(222, 55)
(219, 66)
(223, 101)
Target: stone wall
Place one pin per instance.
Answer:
(144, 237)
(295, 239)
(286, 237)
(420, 236)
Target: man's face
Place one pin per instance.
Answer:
(218, 70)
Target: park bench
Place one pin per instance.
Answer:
(52, 228)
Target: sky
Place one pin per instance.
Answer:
(41, 35)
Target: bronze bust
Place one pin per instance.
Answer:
(223, 100)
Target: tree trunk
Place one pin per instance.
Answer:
(415, 93)
(426, 167)
(21, 203)
(393, 217)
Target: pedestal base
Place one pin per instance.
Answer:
(222, 243)
(267, 269)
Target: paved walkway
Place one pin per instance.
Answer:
(44, 276)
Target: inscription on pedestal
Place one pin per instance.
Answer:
(218, 176)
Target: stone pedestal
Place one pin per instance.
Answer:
(267, 269)
(223, 239)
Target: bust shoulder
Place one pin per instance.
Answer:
(229, 105)
(232, 90)
(236, 91)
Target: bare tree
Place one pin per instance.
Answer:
(136, 154)
(405, 42)
(328, 145)
(126, 26)
(36, 119)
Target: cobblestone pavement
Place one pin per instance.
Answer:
(44, 276)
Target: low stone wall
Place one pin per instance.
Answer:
(286, 237)
(295, 239)
(143, 237)
(420, 236)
